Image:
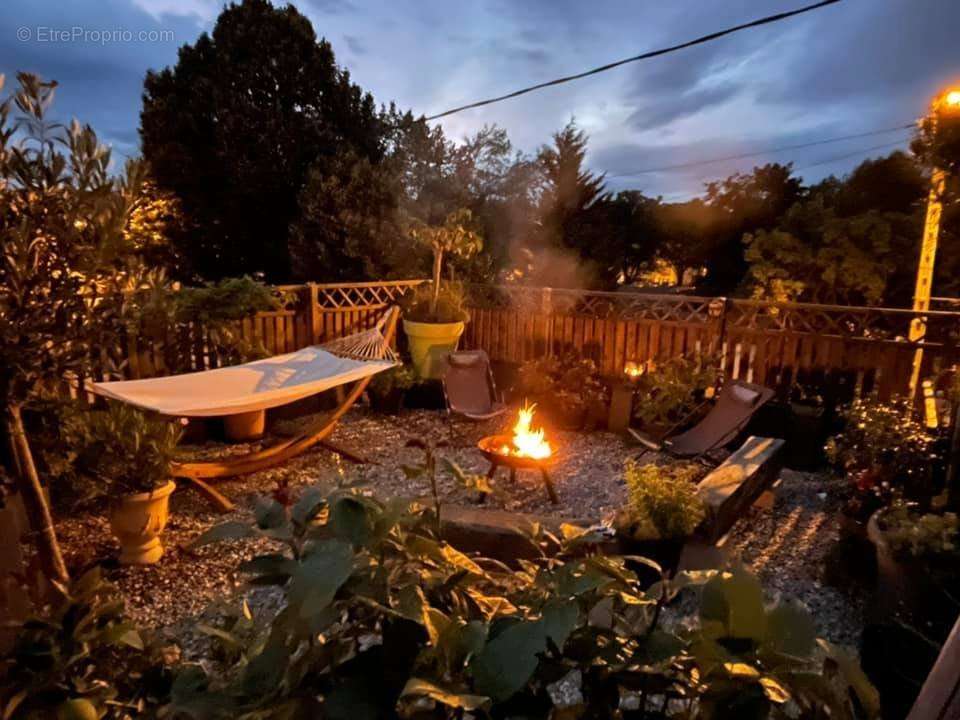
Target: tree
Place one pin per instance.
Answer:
(454, 237)
(62, 221)
(237, 124)
(746, 203)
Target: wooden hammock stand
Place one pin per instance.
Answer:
(197, 473)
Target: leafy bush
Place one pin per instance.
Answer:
(926, 535)
(401, 377)
(568, 388)
(420, 305)
(669, 391)
(78, 658)
(381, 618)
(662, 501)
(166, 313)
(885, 452)
(127, 450)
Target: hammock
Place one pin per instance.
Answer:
(260, 385)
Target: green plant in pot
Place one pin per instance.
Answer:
(434, 314)
(662, 510)
(130, 453)
(386, 389)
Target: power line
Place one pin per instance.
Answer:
(847, 156)
(644, 56)
(769, 151)
(827, 161)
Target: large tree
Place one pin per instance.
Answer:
(237, 124)
(65, 271)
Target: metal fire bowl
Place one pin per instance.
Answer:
(490, 447)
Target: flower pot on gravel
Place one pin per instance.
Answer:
(430, 343)
(137, 522)
(245, 427)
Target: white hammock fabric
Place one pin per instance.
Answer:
(261, 384)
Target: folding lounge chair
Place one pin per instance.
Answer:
(254, 387)
(735, 406)
(468, 387)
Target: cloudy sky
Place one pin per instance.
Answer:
(854, 67)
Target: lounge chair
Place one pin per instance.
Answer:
(733, 410)
(251, 388)
(469, 389)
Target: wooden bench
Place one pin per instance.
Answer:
(733, 486)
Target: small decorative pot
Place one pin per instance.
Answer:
(137, 521)
(430, 343)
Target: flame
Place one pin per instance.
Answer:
(527, 441)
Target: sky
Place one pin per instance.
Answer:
(853, 67)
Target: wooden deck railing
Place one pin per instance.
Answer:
(777, 344)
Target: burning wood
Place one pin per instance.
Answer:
(527, 441)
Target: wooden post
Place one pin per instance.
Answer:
(312, 298)
(953, 463)
(546, 308)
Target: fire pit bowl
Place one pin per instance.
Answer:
(492, 448)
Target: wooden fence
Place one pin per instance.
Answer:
(778, 344)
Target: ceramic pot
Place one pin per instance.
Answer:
(430, 343)
(137, 521)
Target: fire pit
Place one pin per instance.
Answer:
(526, 449)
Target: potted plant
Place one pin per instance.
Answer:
(884, 452)
(130, 452)
(434, 314)
(914, 604)
(661, 513)
(668, 392)
(386, 389)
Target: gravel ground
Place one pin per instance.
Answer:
(785, 545)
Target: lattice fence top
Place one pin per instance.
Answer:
(841, 321)
(364, 295)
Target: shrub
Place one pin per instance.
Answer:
(885, 452)
(921, 535)
(420, 304)
(127, 450)
(662, 501)
(567, 387)
(79, 657)
(668, 391)
(381, 618)
(166, 313)
(401, 377)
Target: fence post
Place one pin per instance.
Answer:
(717, 310)
(313, 313)
(546, 309)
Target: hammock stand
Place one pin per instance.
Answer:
(372, 344)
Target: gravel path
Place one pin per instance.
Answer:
(785, 545)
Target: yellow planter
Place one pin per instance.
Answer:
(430, 343)
(137, 521)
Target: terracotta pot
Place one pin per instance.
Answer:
(430, 343)
(244, 427)
(137, 521)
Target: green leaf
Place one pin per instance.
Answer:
(275, 567)
(124, 634)
(508, 661)
(269, 513)
(658, 647)
(731, 606)
(559, 619)
(854, 677)
(790, 630)
(350, 521)
(262, 675)
(309, 504)
(319, 576)
(417, 687)
(232, 530)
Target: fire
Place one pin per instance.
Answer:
(527, 441)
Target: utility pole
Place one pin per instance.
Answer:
(947, 101)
